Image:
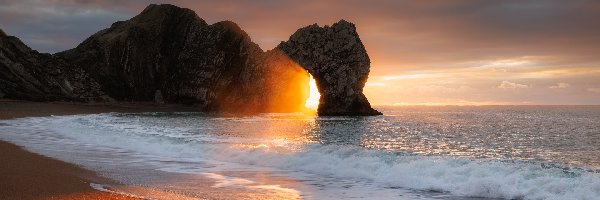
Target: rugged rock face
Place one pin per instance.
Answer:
(170, 51)
(337, 59)
(29, 75)
(168, 54)
(163, 48)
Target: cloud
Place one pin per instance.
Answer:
(511, 85)
(375, 84)
(413, 46)
(57, 25)
(594, 90)
(560, 86)
(441, 89)
(422, 32)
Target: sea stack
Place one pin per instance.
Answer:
(168, 54)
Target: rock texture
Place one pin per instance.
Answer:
(168, 54)
(337, 59)
(29, 75)
(170, 49)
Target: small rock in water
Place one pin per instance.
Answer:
(158, 98)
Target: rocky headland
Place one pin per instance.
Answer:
(168, 54)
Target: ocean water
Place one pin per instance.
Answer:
(464, 152)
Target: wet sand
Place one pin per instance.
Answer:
(25, 175)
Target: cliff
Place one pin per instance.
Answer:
(168, 54)
(29, 75)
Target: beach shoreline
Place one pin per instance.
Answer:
(27, 175)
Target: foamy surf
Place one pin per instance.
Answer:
(208, 146)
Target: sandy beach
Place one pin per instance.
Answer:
(26, 175)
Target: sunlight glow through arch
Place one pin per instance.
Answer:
(313, 99)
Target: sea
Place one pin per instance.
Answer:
(410, 152)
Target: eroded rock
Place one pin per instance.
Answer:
(338, 61)
(29, 75)
(169, 54)
(215, 67)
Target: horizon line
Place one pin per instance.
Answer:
(434, 105)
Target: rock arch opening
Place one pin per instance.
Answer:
(335, 56)
(314, 96)
(291, 88)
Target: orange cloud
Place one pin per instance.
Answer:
(513, 86)
(560, 86)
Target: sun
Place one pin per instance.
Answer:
(313, 100)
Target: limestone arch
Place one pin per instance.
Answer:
(337, 59)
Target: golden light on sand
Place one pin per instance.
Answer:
(313, 99)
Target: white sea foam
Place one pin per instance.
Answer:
(480, 178)
(465, 177)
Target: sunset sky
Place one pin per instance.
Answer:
(422, 52)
